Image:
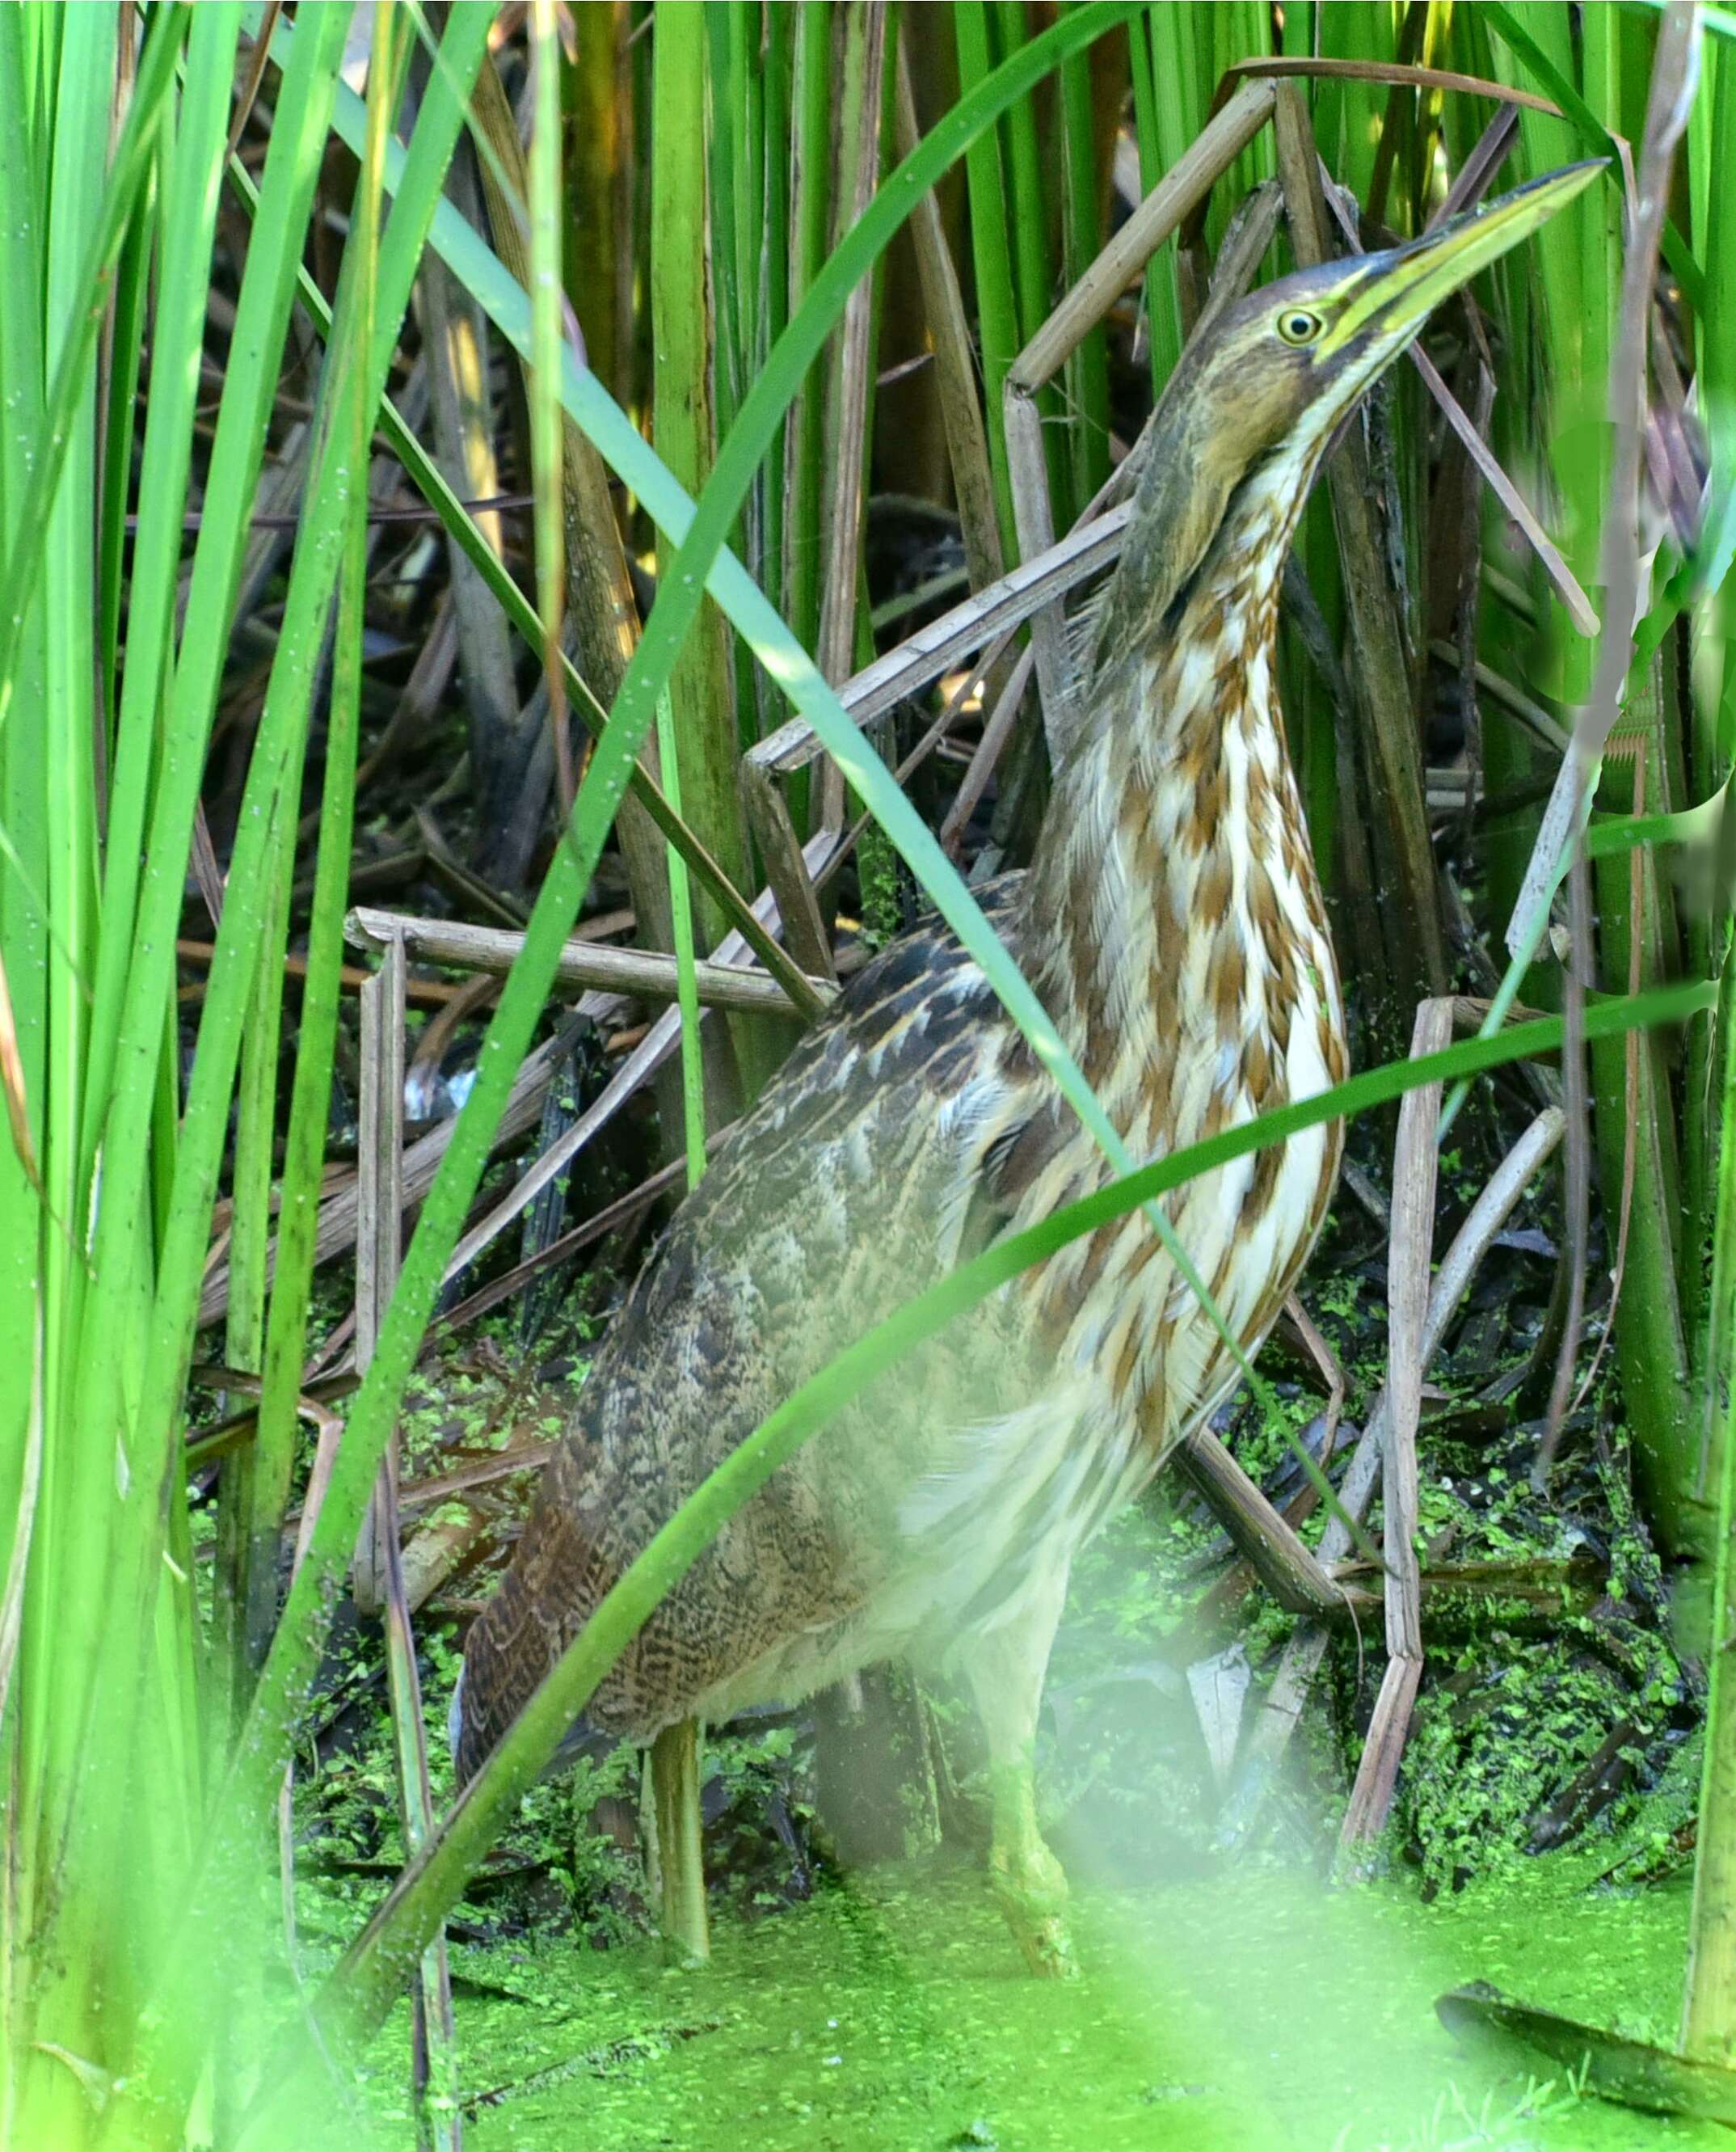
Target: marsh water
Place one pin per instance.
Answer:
(1228, 2013)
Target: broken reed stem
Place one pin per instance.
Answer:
(379, 1213)
(583, 964)
(377, 1574)
(1415, 1170)
(1281, 1708)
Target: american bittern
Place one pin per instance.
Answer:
(1172, 922)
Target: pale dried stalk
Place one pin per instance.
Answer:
(642, 972)
(958, 634)
(379, 1242)
(1415, 1172)
(330, 1434)
(1567, 586)
(433, 1556)
(1283, 1562)
(1331, 1373)
(989, 748)
(1282, 1707)
(1404, 76)
(377, 1573)
(1415, 1161)
(787, 874)
(1182, 189)
(433, 2029)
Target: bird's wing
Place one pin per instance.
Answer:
(862, 1174)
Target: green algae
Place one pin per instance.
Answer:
(1223, 2004)
(1248, 2008)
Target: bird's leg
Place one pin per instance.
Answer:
(1006, 1667)
(681, 1863)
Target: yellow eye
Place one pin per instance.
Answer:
(1296, 325)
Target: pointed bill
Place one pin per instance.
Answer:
(1407, 283)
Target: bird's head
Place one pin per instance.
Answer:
(1248, 412)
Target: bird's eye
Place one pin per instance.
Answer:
(1296, 325)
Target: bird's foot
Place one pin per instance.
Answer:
(1031, 1891)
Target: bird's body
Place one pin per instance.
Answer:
(1172, 923)
(910, 1127)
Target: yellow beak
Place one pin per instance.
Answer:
(1404, 285)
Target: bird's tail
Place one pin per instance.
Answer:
(558, 1576)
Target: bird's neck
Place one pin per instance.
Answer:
(1174, 914)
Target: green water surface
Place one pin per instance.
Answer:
(1250, 2009)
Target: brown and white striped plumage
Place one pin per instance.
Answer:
(1173, 924)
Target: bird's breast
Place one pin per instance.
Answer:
(1205, 995)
